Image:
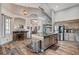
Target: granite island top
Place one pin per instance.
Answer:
(49, 34)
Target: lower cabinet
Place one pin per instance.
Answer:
(39, 45)
(49, 41)
(70, 36)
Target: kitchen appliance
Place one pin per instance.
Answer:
(61, 32)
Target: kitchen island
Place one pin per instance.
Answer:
(41, 43)
(48, 41)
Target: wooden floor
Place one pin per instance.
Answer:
(20, 48)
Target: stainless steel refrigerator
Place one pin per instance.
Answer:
(61, 32)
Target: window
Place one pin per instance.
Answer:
(6, 24)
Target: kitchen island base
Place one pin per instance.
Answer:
(43, 43)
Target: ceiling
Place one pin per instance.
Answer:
(35, 5)
(60, 6)
(54, 6)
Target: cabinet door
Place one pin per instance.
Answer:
(66, 36)
(77, 37)
(46, 42)
(50, 40)
(71, 37)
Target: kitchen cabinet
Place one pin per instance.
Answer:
(42, 43)
(70, 36)
(77, 37)
(48, 41)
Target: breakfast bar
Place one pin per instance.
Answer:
(42, 43)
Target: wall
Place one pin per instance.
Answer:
(4, 10)
(67, 14)
(19, 21)
(13, 12)
(0, 20)
(7, 38)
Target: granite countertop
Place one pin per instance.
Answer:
(49, 34)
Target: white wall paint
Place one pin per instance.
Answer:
(4, 10)
(19, 21)
(7, 12)
(68, 14)
(0, 20)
